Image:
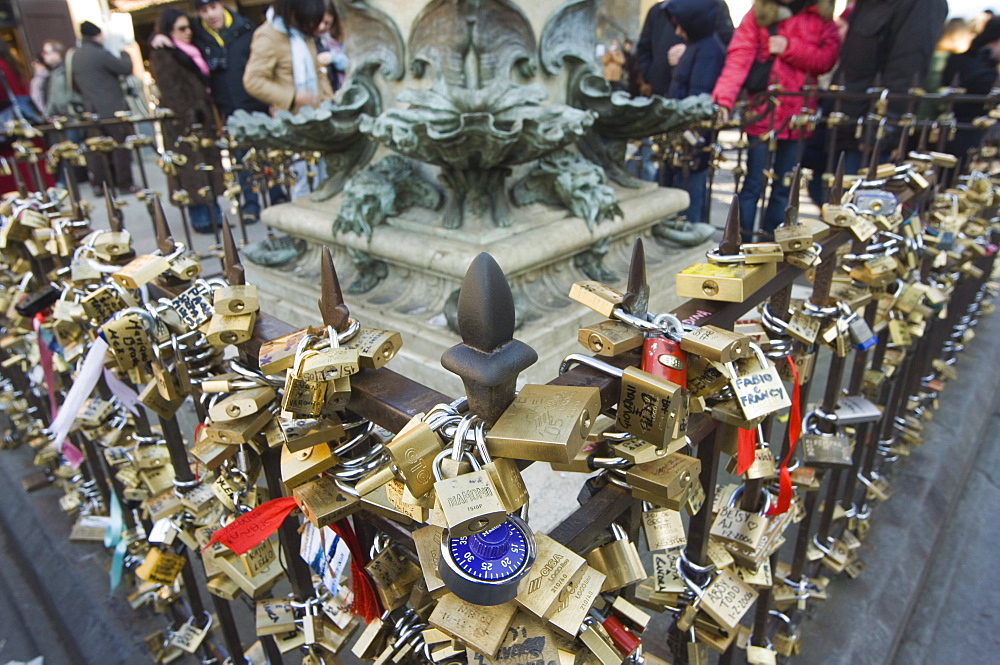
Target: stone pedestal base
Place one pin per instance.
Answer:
(425, 264)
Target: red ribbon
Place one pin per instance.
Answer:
(794, 430)
(746, 449)
(251, 529)
(794, 413)
(366, 602)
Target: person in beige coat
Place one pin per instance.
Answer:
(613, 61)
(283, 70)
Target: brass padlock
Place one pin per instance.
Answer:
(666, 482)
(241, 404)
(794, 238)
(140, 271)
(618, 560)
(503, 473)
(649, 408)
(375, 347)
(610, 338)
(411, 453)
(236, 299)
(469, 501)
(301, 433)
(545, 423)
(224, 330)
(297, 468)
(323, 502)
(597, 296)
(716, 344)
(303, 398)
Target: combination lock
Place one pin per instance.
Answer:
(485, 568)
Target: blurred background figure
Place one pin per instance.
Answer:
(330, 50)
(97, 79)
(182, 76)
(613, 61)
(976, 71)
(283, 70)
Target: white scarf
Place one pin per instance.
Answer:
(303, 63)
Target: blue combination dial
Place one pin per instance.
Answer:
(485, 568)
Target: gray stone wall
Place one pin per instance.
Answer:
(618, 19)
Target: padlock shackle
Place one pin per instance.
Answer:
(588, 361)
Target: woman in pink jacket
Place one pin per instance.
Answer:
(802, 42)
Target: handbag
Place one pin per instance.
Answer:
(760, 71)
(18, 107)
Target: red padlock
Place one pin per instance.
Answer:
(623, 639)
(662, 357)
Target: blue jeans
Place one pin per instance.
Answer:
(753, 185)
(251, 201)
(647, 170)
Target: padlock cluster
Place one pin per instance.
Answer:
(353, 508)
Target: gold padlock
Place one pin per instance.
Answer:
(610, 338)
(236, 299)
(545, 423)
(375, 347)
(303, 398)
(469, 501)
(618, 560)
(411, 454)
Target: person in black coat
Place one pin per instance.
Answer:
(224, 37)
(976, 70)
(182, 77)
(658, 37)
(97, 79)
(695, 73)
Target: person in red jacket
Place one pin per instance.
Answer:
(802, 42)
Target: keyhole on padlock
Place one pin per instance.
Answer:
(710, 287)
(595, 342)
(237, 305)
(233, 410)
(228, 337)
(387, 350)
(585, 422)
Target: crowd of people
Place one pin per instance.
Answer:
(689, 47)
(213, 61)
(206, 64)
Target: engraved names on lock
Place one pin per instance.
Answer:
(129, 341)
(739, 527)
(665, 577)
(482, 629)
(759, 391)
(274, 616)
(194, 305)
(664, 529)
(258, 558)
(188, 637)
(825, 450)
(528, 642)
(727, 599)
(545, 423)
(804, 328)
